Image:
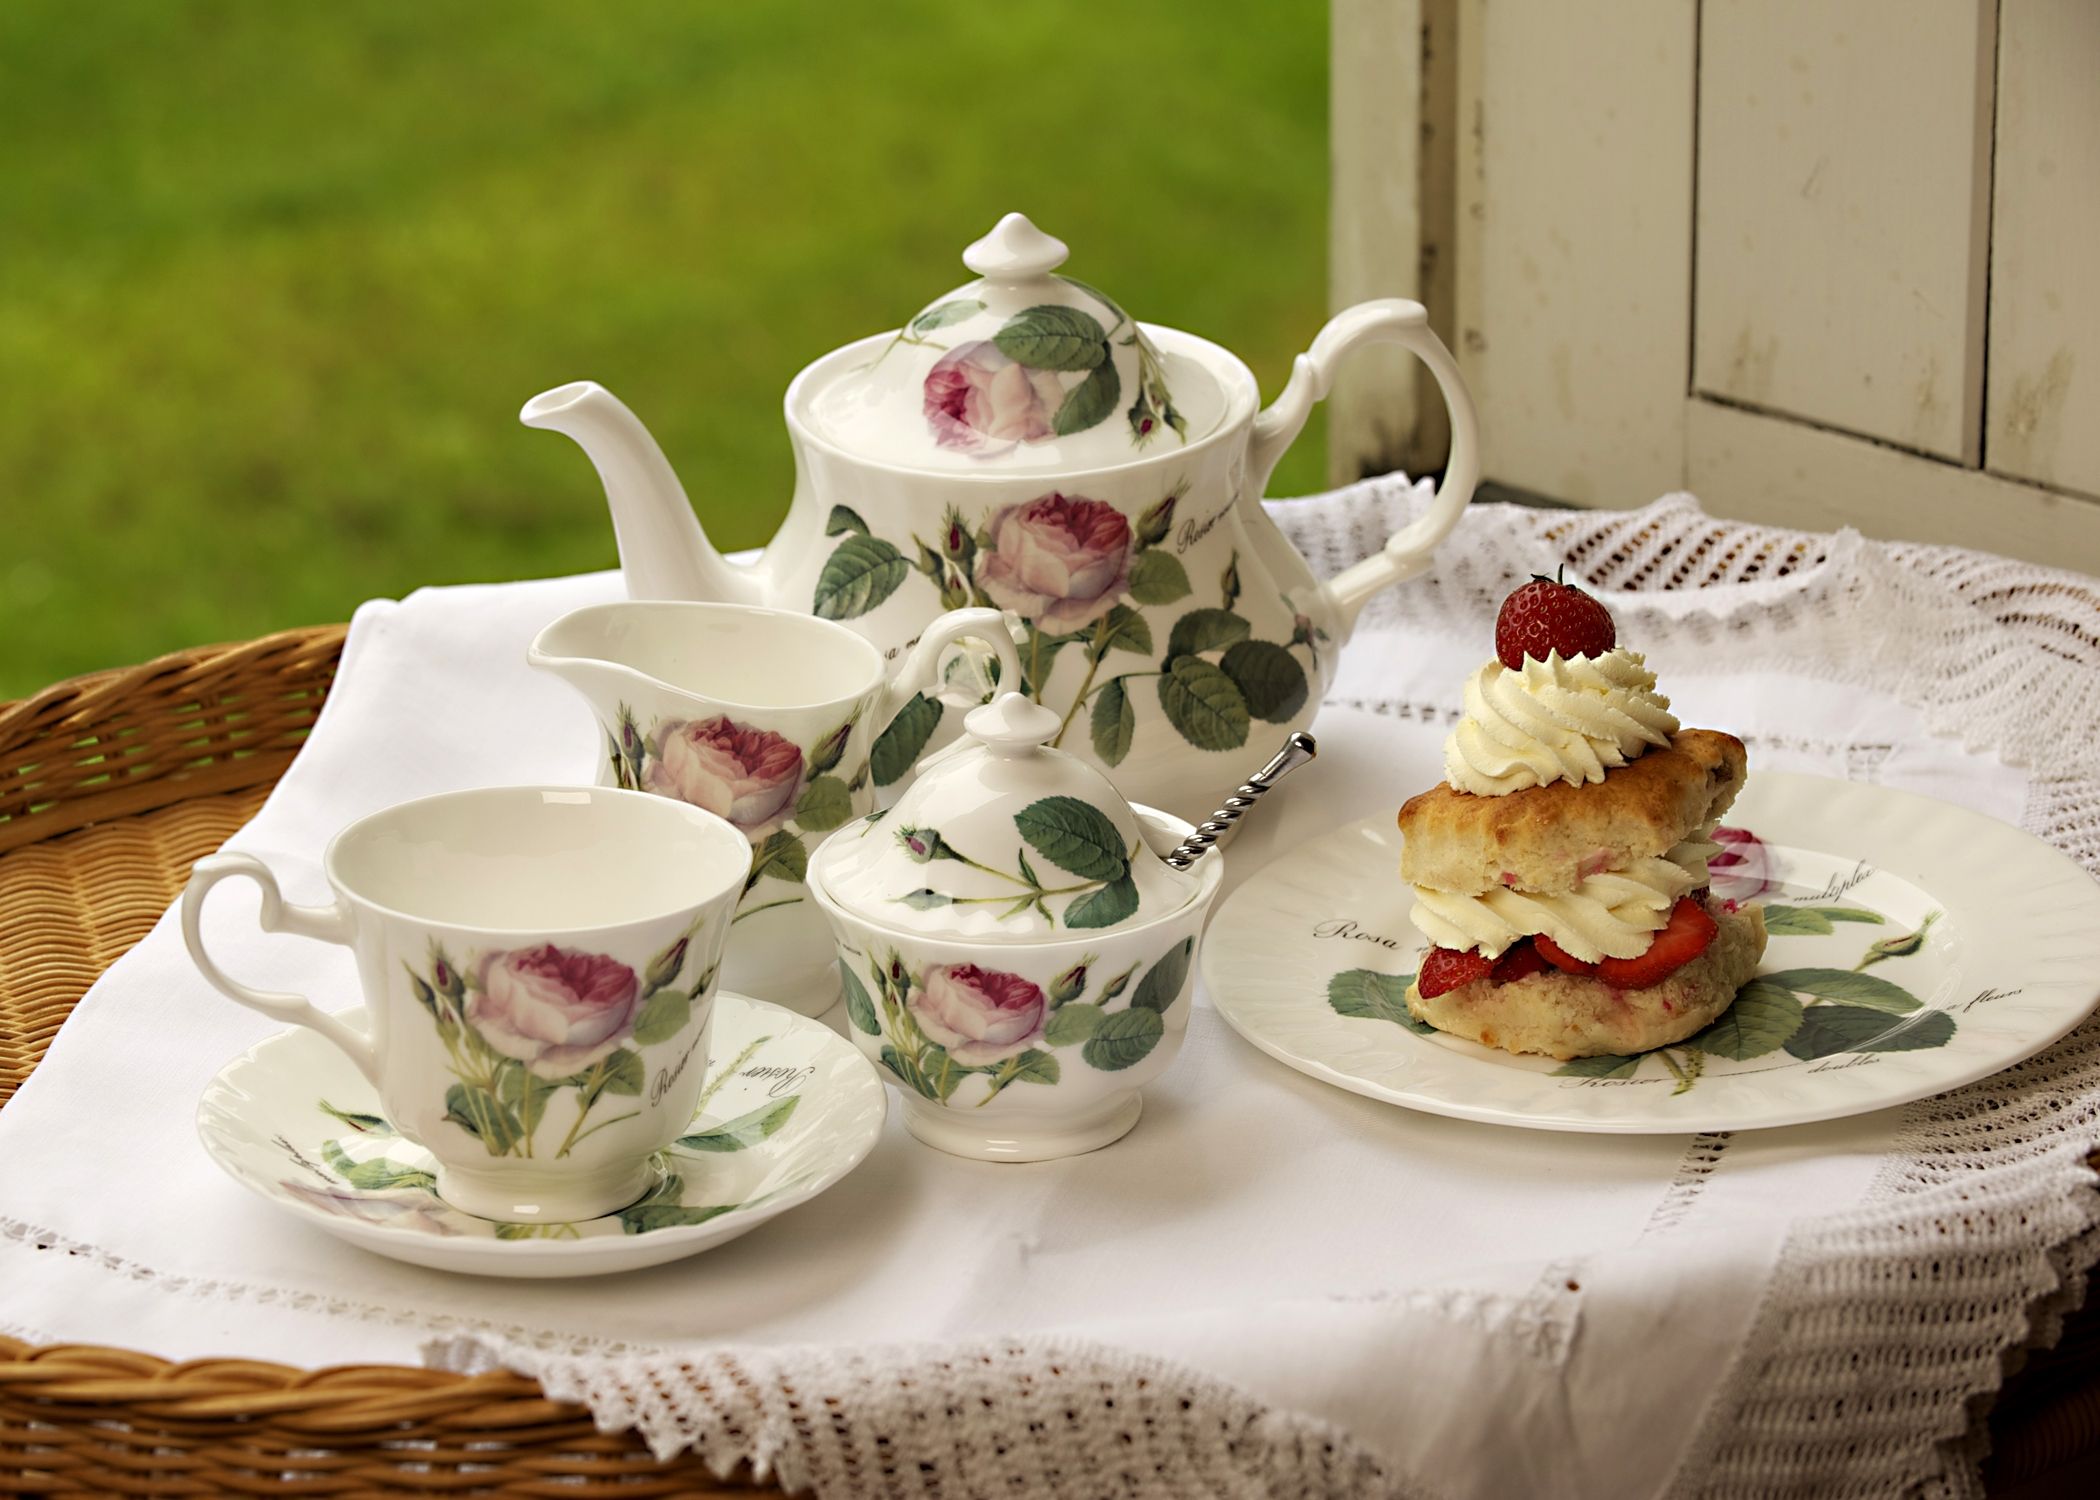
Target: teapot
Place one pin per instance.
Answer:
(1023, 443)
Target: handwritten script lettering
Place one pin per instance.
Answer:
(1343, 927)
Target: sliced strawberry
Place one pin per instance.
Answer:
(1449, 968)
(1560, 958)
(1518, 962)
(1687, 935)
(1544, 616)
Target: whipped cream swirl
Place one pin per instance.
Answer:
(1610, 914)
(1555, 720)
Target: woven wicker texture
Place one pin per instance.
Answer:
(110, 786)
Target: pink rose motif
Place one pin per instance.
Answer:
(556, 1010)
(979, 401)
(749, 776)
(1062, 561)
(1742, 869)
(980, 1015)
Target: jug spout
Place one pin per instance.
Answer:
(663, 552)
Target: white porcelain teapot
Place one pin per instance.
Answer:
(1023, 443)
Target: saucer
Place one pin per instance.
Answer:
(1915, 946)
(789, 1108)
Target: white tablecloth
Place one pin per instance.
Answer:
(1271, 1286)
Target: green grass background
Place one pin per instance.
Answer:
(274, 279)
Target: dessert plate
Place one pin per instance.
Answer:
(1916, 946)
(789, 1108)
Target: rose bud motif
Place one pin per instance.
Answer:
(924, 845)
(979, 1015)
(1903, 945)
(1157, 521)
(556, 1010)
(425, 995)
(980, 401)
(1062, 561)
(1743, 867)
(898, 978)
(668, 964)
(1070, 985)
(749, 776)
(448, 981)
(956, 540)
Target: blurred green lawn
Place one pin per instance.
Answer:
(274, 279)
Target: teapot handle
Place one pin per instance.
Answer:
(1388, 320)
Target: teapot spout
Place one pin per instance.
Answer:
(663, 552)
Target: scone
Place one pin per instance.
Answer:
(1560, 869)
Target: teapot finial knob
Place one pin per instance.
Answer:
(1015, 250)
(1011, 724)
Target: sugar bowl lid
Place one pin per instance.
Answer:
(1019, 371)
(1002, 839)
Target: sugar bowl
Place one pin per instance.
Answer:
(1017, 957)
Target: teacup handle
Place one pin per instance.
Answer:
(917, 673)
(331, 924)
(1387, 320)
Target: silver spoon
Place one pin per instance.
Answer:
(1297, 750)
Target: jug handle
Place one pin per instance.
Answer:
(1388, 320)
(920, 669)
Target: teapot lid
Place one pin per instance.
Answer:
(1019, 371)
(1002, 839)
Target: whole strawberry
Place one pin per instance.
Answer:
(1546, 615)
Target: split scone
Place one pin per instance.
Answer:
(1560, 869)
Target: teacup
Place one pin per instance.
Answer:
(538, 967)
(782, 723)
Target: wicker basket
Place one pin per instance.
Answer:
(110, 786)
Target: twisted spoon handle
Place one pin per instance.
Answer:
(1297, 750)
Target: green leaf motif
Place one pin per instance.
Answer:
(1162, 982)
(1072, 1024)
(1113, 903)
(1090, 402)
(1830, 1029)
(844, 518)
(1123, 1039)
(745, 1130)
(664, 1014)
(1203, 630)
(1763, 1016)
(1935, 1028)
(898, 747)
(825, 804)
(1050, 337)
(861, 572)
(1075, 836)
(1113, 722)
(782, 856)
(1606, 1066)
(484, 1117)
(1098, 295)
(1124, 629)
(860, 1006)
(1368, 995)
(1203, 704)
(1036, 1066)
(1268, 677)
(622, 1073)
(1158, 578)
(941, 314)
(644, 1217)
(1843, 984)
(377, 1175)
(1795, 921)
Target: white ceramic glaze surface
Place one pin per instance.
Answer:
(538, 966)
(787, 1110)
(1161, 614)
(1002, 840)
(767, 718)
(1916, 946)
(1023, 1051)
